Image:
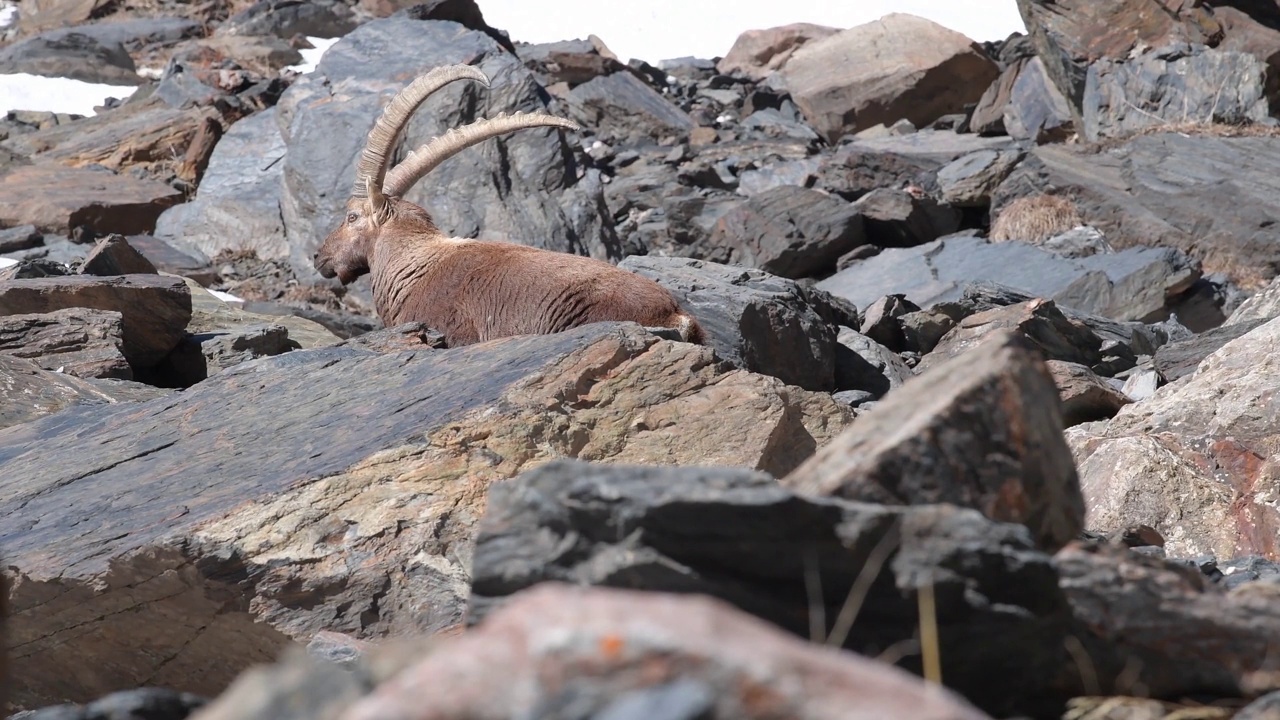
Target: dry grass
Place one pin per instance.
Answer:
(1035, 218)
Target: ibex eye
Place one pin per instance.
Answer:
(352, 217)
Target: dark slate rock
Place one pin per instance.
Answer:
(1181, 357)
(135, 33)
(21, 237)
(853, 171)
(880, 321)
(1171, 190)
(464, 12)
(138, 704)
(1175, 83)
(896, 218)
(569, 61)
(970, 180)
(789, 231)
(77, 341)
(237, 206)
(31, 392)
(864, 364)
(738, 536)
(1133, 284)
(72, 55)
(1037, 111)
(757, 321)
(287, 18)
(204, 354)
(166, 258)
(524, 187)
(1039, 321)
(801, 173)
(623, 110)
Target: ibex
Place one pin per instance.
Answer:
(472, 290)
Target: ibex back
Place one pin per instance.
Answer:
(472, 290)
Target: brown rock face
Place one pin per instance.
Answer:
(77, 341)
(900, 66)
(636, 646)
(758, 53)
(1197, 460)
(333, 489)
(982, 430)
(155, 308)
(57, 199)
(29, 392)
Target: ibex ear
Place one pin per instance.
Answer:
(379, 208)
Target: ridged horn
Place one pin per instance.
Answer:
(429, 156)
(372, 168)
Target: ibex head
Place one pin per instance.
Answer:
(375, 206)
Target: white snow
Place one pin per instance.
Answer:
(7, 262)
(311, 56)
(21, 91)
(226, 296)
(8, 15)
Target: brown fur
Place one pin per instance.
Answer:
(477, 290)
(1035, 218)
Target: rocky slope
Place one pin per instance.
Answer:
(986, 399)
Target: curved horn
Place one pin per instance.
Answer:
(429, 156)
(372, 167)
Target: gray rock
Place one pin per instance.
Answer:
(287, 18)
(935, 146)
(800, 173)
(140, 704)
(896, 218)
(1266, 707)
(1133, 284)
(719, 531)
(624, 110)
(1199, 193)
(1141, 385)
(237, 206)
(772, 123)
(21, 237)
(866, 365)
(1181, 357)
(757, 321)
(29, 392)
(524, 187)
(970, 180)
(789, 231)
(72, 55)
(1176, 83)
(215, 351)
(168, 259)
(1078, 242)
(1037, 111)
(569, 61)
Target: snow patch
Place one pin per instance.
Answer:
(226, 296)
(23, 91)
(7, 262)
(8, 15)
(311, 56)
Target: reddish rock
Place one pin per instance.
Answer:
(57, 199)
(756, 54)
(711, 658)
(76, 341)
(898, 67)
(113, 255)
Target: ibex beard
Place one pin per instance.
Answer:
(472, 290)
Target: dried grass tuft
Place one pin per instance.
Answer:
(1035, 219)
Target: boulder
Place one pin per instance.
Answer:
(139, 704)
(1038, 321)
(22, 237)
(77, 341)
(1156, 190)
(864, 364)
(990, 417)
(287, 18)
(29, 392)
(145, 135)
(1085, 396)
(757, 54)
(572, 62)
(155, 309)
(237, 205)
(74, 55)
(1070, 35)
(971, 180)
(1175, 631)
(1134, 284)
(1262, 305)
(715, 532)
(173, 506)
(113, 255)
(900, 66)
(1181, 357)
(1178, 83)
(788, 231)
(59, 199)
(1194, 459)
(624, 110)
(524, 187)
(630, 654)
(988, 114)
(757, 321)
(897, 218)
(1037, 110)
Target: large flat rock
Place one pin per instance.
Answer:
(1134, 284)
(176, 541)
(56, 199)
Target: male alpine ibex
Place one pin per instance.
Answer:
(472, 290)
